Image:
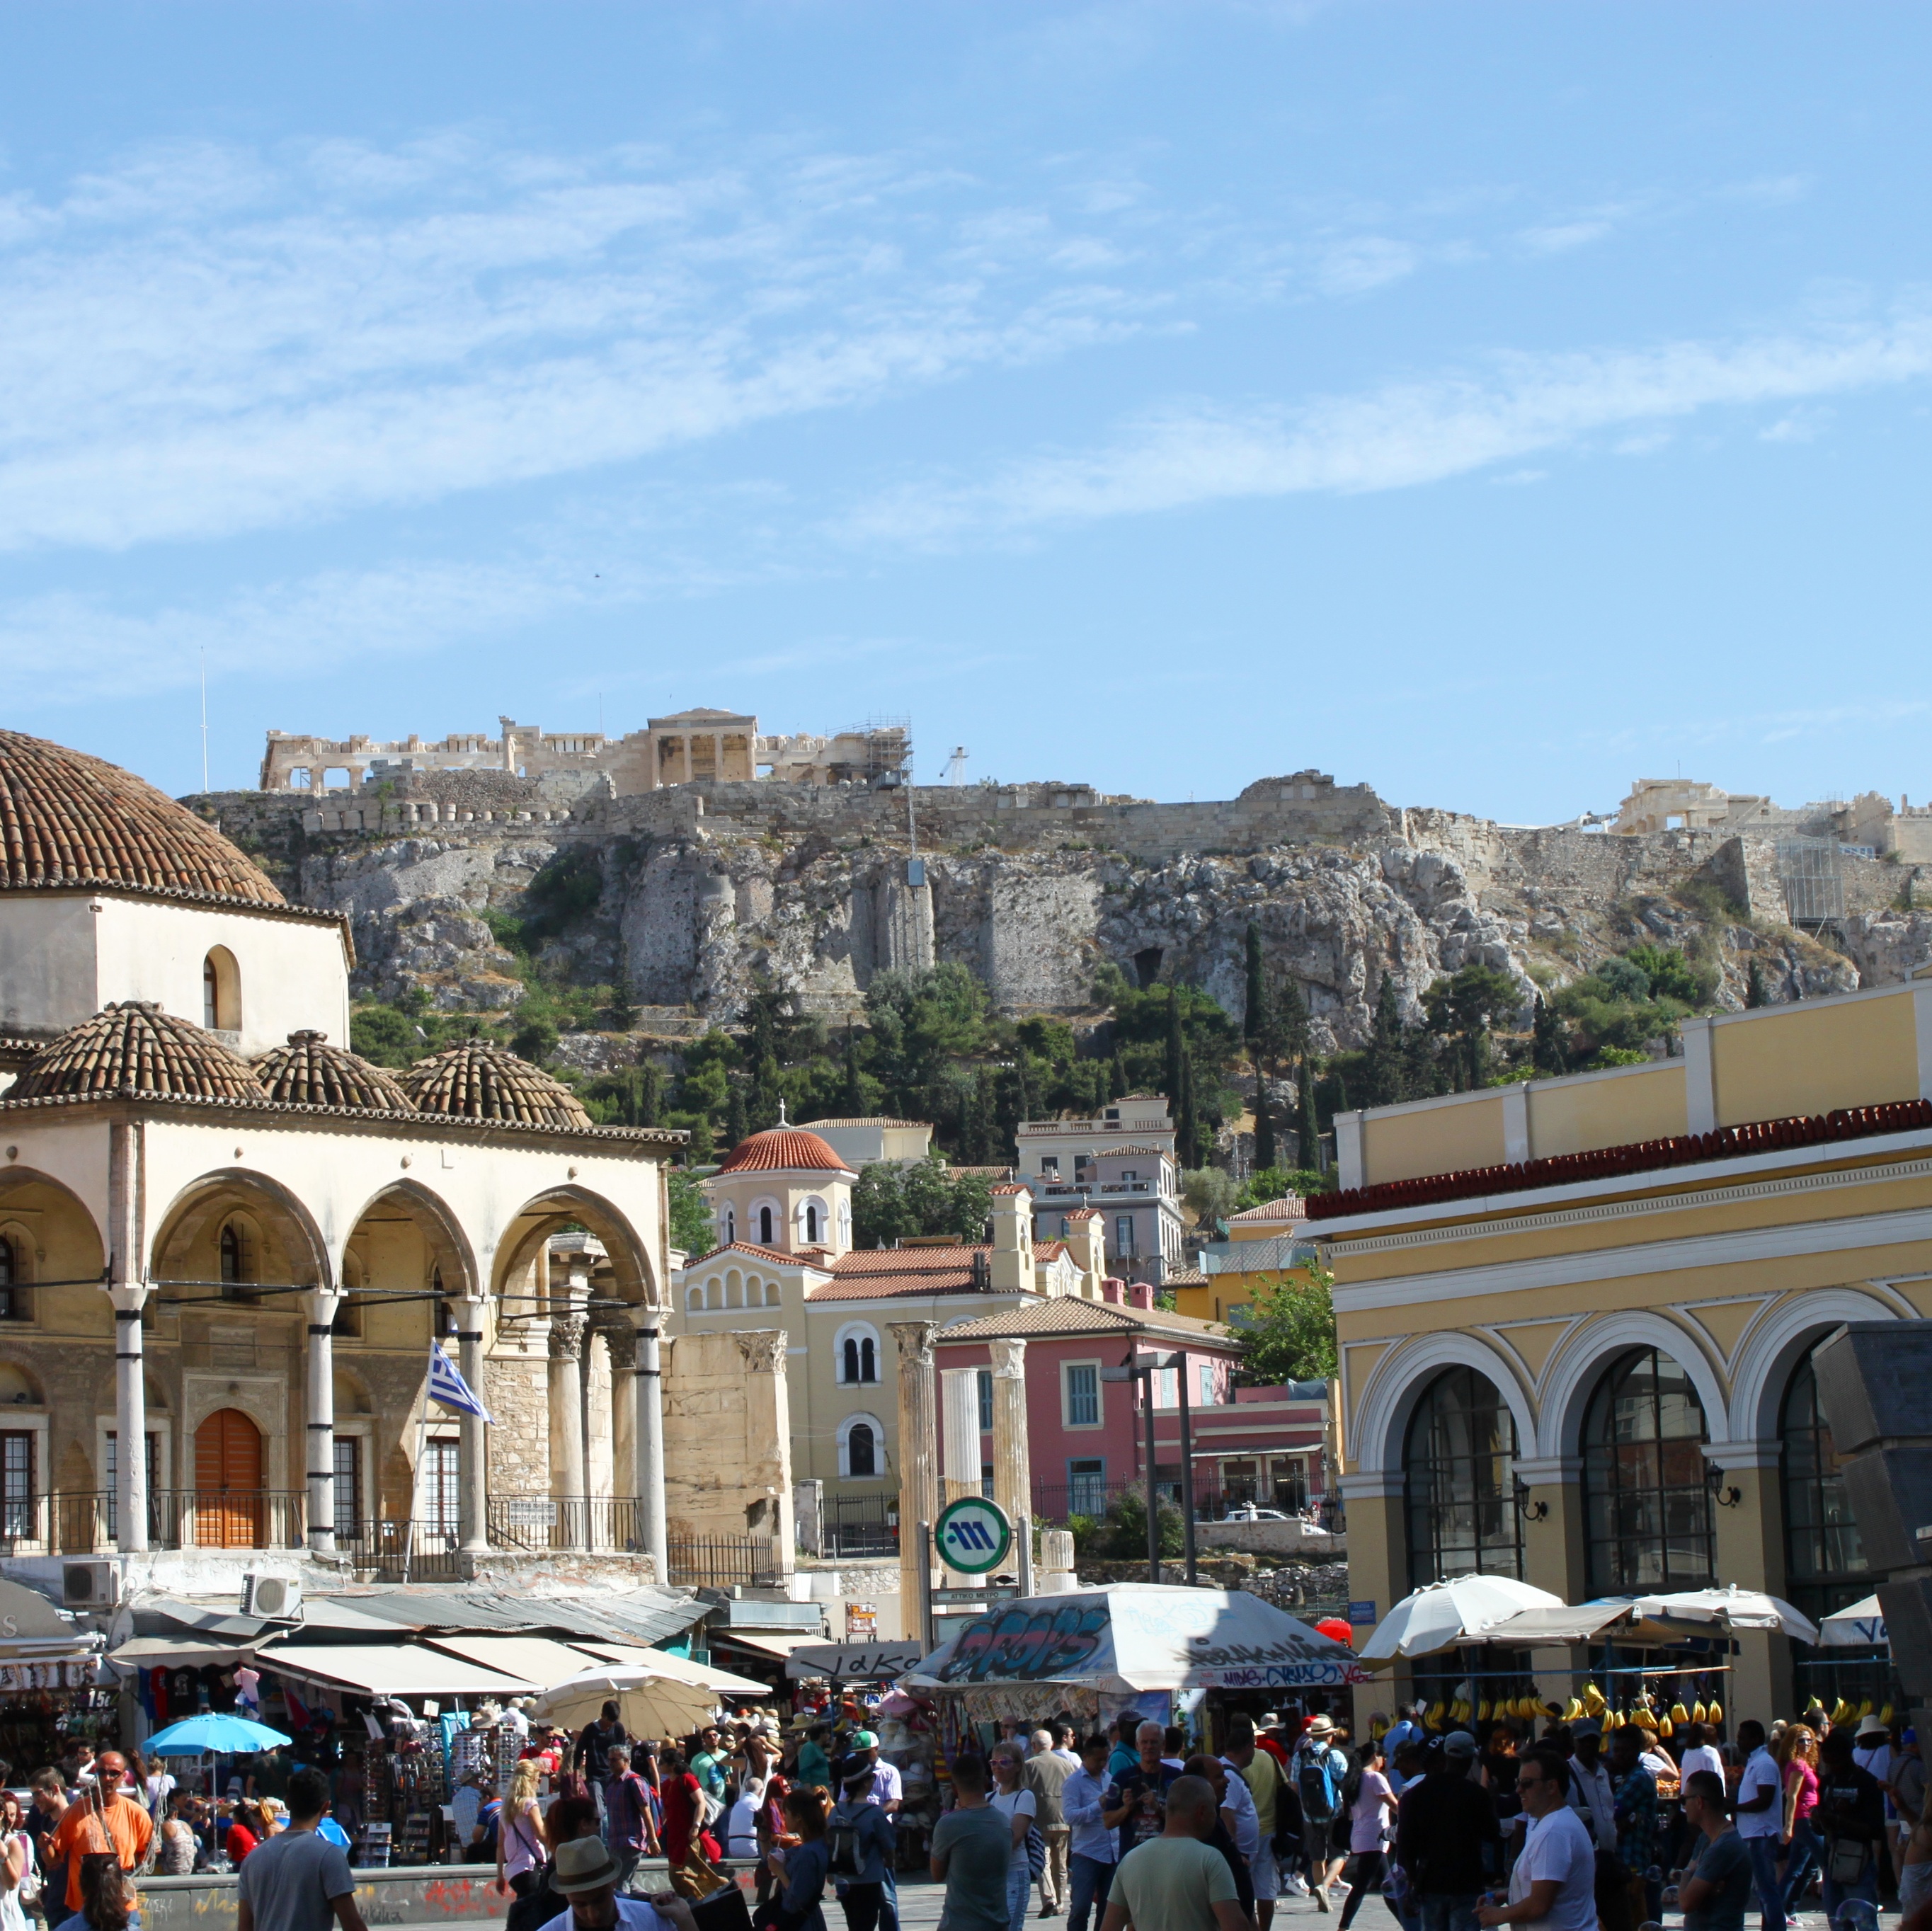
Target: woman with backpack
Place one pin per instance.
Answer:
(861, 1841)
(1018, 1805)
(1318, 1769)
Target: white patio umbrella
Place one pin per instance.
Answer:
(1730, 1608)
(1859, 1625)
(1445, 1615)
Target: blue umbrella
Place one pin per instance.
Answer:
(230, 1735)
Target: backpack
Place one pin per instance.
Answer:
(841, 1837)
(1312, 1781)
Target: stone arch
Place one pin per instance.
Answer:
(293, 1246)
(1399, 1381)
(15, 1180)
(1777, 1341)
(352, 1393)
(433, 1215)
(1583, 1355)
(20, 1387)
(634, 1276)
(771, 1293)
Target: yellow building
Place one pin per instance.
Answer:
(1577, 1316)
(1265, 1245)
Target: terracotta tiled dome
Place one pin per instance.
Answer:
(478, 1082)
(136, 1047)
(309, 1071)
(782, 1149)
(68, 819)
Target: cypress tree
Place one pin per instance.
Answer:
(1263, 1127)
(1307, 1142)
(855, 1094)
(1187, 1136)
(985, 1131)
(1291, 1020)
(737, 1125)
(1117, 1075)
(1757, 993)
(1549, 1051)
(1175, 1051)
(1254, 1019)
(1385, 1068)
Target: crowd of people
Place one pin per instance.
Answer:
(1572, 1829)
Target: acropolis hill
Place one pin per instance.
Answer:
(695, 892)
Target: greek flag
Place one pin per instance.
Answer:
(448, 1386)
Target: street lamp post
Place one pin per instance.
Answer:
(1144, 1367)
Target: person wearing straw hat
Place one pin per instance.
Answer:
(587, 1874)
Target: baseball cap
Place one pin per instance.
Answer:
(1459, 1743)
(1589, 1727)
(863, 1740)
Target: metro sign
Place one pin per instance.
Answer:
(973, 1535)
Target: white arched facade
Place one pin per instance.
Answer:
(876, 1430)
(866, 1350)
(1775, 1344)
(811, 1225)
(1402, 1377)
(1585, 1354)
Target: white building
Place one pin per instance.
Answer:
(1121, 1164)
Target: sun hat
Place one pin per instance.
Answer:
(1319, 1726)
(1874, 1726)
(582, 1864)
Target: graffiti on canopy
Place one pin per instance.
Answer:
(1028, 1646)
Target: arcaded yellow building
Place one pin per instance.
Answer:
(1577, 1316)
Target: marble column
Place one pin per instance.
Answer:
(128, 1292)
(472, 1463)
(323, 1304)
(649, 1433)
(1012, 1467)
(918, 1465)
(566, 1423)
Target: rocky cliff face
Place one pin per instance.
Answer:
(703, 893)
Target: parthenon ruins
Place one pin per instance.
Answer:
(703, 743)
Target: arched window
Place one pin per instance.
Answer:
(1824, 1560)
(1459, 1481)
(693, 1300)
(730, 1226)
(220, 991)
(851, 1362)
(765, 1226)
(7, 1279)
(861, 1451)
(232, 1256)
(811, 1223)
(1646, 1497)
(858, 1355)
(868, 1360)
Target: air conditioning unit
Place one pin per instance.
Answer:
(90, 1585)
(275, 1598)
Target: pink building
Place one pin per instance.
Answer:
(1086, 1436)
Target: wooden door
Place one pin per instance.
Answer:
(228, 1498)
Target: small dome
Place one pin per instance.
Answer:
(783, 1149)
(136, 1047)
(68, 819)
(309, 1071)
(478, 1082)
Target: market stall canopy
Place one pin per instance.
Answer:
(32, 1630)
(1529, 1629)
(648, 1703)
(1131, 1637)
(1731, 1608)
(538, 1659)
(634, 1615)
(1447, 1615)
(852, 1662)
(679, 1668)
(391, 1669)
(1860, 1625)
(778, 1645)
(178, 1652)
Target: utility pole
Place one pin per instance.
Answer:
(1140, 1367)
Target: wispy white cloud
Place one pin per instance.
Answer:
(1405, 434)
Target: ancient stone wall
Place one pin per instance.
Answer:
(728, 1436)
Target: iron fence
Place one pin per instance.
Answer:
(856, 1525)
(717, 1561)
(536, 1523)
(387, 1546)
(1056, 1502)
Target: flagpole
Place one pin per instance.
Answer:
(415, 1479)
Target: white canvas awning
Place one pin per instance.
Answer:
(1135, 1636)
(392, 1669)
(541, 1661)
(679, 1669)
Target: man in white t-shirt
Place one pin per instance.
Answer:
(1553, 1887)
(1700, 1753)
(1591, 1794)
(1759, 1812)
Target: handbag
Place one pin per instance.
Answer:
(28, 1889)
(1036, 1851)
(1849, 1858)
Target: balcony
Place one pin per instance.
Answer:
(242, 1521)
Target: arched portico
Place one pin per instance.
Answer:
(572, 1269)
(1585, 1352)
(1402, 1377)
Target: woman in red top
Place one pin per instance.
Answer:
(244, 1832)
(692, 1873)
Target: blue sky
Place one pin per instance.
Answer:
(1491, 403)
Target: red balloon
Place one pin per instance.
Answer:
(1336, 1629)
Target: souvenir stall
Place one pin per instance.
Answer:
(1173, 1655)
(54, 1689)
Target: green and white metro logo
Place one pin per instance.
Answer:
(973, 1535)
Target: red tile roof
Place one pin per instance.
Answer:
(1072, 1314)
(813, 1257)
(783, 1149)
(1012, 1186)
(1291, 1206)
(877, 1273)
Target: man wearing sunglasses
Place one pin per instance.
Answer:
(1553, 1887)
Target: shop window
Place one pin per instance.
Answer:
(1646, 1499)
(1824, 1560)
(1459, 1481)
(16, 1484)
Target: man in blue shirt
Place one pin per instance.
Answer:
(1093, 1849)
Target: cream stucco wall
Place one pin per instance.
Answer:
(64, 955)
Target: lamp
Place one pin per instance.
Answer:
(1726, 1496)
(1531, 1512)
